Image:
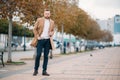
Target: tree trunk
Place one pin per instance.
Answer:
(62, 38)
(70, 42)
(80, 47)
(9, 40)
(24, 40)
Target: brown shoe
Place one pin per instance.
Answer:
(35, 73)
(45, 74)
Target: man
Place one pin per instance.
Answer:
(43, 31)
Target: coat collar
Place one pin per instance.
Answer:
(44, 19)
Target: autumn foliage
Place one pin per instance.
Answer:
(64, 12)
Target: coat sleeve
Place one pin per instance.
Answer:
(53, 28)
(35, 29)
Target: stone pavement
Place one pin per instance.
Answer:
(103, 65)
(20, 54)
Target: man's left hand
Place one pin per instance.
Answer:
(50, 34)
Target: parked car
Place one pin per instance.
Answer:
(13, 44)
(89, 45)
(57, 43)
(108, 45)
(99, 45)
(116, 44)
(93, 44)
(27, 44)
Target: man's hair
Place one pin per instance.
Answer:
(46, 9)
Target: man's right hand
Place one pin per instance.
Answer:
(37, 36)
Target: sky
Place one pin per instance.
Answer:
(101, 9)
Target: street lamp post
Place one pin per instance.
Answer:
(63, 48)
(24, 46)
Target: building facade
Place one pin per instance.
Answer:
(112, 25)
(117, 24)
(106, 24)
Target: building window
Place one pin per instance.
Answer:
(117, 20)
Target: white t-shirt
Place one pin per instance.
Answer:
(45, 34)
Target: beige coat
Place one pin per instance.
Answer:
(38, 29)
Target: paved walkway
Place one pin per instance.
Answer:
(103, 65)
(20, 54)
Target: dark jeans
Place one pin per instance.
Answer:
(42, 44)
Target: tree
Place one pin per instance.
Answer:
(31, 10)
(9, 8)
(17, 29)
(28, 10)
(64, 12)
(4, 26)
(94, 31)
(81, 26)
(107, 36)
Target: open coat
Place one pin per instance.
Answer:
(38, 29)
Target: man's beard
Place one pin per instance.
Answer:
(47, 17)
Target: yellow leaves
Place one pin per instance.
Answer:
(64, 12)
(106, 36)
